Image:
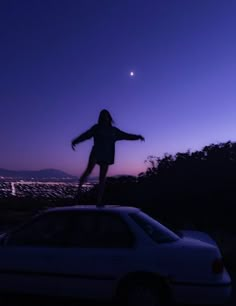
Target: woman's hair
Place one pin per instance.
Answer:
(105, 118)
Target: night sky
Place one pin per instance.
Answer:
(61, 62)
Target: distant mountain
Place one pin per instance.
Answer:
(50, 174)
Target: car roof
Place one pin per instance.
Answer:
(106, 208)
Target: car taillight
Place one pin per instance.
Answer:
(218, 266)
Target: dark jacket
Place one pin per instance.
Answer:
(103, 150)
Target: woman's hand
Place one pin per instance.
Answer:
(73, 145)
(141, 138)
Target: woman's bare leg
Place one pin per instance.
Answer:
(86, 173)
(102, 179)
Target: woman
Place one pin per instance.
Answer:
(103, 152)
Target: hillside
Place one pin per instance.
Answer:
(36, 174)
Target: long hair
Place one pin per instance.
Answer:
(105, 118)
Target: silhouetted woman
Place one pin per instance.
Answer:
(103, 152)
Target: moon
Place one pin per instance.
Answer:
(131, 74)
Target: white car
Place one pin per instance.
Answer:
(111, 252)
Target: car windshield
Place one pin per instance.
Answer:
(158, 232)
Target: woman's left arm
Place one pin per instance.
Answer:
(84, 136)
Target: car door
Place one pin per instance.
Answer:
(32, 257)
(105, 251)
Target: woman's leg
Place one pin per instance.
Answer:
(102, 178)
(86, 173)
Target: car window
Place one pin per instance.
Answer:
(83, 229)
(100, 230)
(153, 228)
(114, 232)
(50, 229)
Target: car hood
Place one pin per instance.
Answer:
(197, 235)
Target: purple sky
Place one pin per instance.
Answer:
(61, 62)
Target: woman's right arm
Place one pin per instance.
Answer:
(120, 135)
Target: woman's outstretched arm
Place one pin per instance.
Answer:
(82, 137)
(126, 136)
